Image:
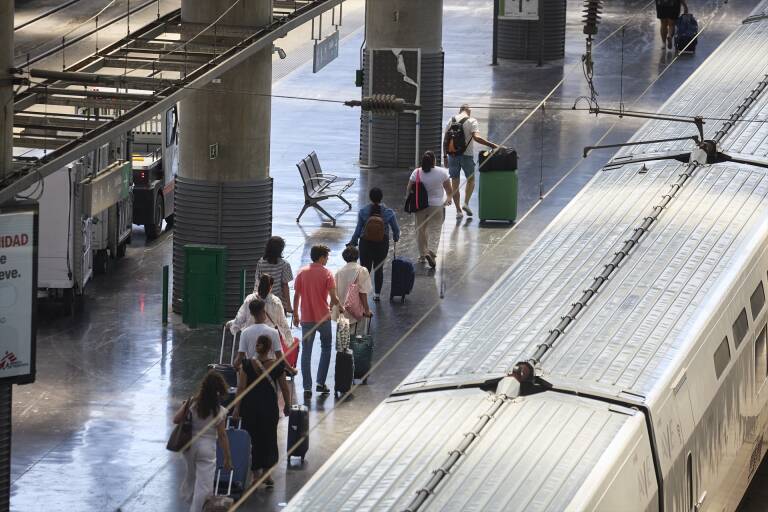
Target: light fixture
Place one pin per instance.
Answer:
(280, 52)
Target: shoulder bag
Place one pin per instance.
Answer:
(417, 198)
(352, 303)
(182, 432)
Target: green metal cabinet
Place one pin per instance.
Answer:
(204, 274)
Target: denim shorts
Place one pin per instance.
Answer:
(459, 162)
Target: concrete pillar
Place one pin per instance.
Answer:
(6, 88)
(397, 141)
(538, 40)
(225, 200)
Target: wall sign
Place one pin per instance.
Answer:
(519, 10)
(18, 293)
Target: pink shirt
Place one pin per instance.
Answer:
(314, 283)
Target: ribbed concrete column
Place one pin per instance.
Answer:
(391, 141)
(6, 89)
(534, 40)
(226, 200)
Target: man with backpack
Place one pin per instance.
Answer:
(375, 221)
(458, 150)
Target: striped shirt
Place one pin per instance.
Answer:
(280, 272)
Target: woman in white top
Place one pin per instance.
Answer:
(350, 273)
(273, 306)
(438, 185)
(208, 418)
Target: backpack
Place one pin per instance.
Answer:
(374, 229)
(455, 140)
(417, 198)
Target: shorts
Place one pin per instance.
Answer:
(668, 11)
(459, 162)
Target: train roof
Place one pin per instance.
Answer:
(399, 446)
(628, 337)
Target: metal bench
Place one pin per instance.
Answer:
(319, 186)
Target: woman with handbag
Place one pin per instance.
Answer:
(428, 193)
(353, 282)
(259, 379)
(200, 421)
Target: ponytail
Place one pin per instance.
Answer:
(427, 161)
(265, 284)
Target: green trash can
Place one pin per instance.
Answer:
(204, 274)
(498, 186)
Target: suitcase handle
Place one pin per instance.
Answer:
(218, 479)
(223, 342)
(229, 423)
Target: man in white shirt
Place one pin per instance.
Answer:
(463, 158)
(250, 334)
(345, 276)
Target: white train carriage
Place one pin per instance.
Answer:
(654, 397)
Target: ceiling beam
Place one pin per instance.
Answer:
(117, 81)
(56, 123)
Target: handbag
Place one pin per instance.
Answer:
(182, 432)
(342, 334)
(417, 198)
(352, 303)
(291, 352)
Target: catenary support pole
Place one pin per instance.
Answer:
(495, 44)
(223, 190)
(6, 154)
(6, 86)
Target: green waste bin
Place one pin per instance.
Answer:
(498, 186)
(204, 274)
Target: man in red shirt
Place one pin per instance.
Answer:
(312, 287)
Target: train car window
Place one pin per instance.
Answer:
(722, 356)
(761, 359)
(757, 300)
(689, 481)
(740, 327)
(171, 123)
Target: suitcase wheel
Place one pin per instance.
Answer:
(365, 380)
(402, 299)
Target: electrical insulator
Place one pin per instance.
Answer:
(382, 104)
(591, 18)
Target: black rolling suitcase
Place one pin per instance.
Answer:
(362, 349)
(298, 432)
(345, 363)
(227, 370)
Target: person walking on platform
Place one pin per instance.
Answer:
(272, 263)
(259, 327)
(208, 425)
(374, 223)
(461, 133)
(258, 381)
(438, 189)
(314, 285)
(353, 272)
(667, 11)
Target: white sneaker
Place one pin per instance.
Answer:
(376, 297)
(466, 209)
(459, 215)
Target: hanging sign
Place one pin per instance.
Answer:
(519, 10)
(325, 51)
(18, 293)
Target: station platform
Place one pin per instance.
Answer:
(90, 434)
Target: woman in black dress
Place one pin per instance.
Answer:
(258, 381)
(668, 11)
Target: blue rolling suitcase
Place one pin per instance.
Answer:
(686, 29)
(403, 277)
(240, 449)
